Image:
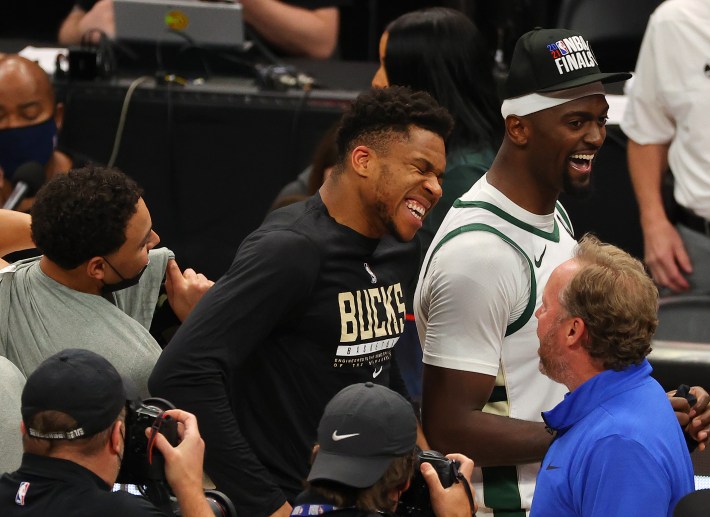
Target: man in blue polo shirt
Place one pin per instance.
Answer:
(618, 449)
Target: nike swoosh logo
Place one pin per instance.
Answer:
(551, 467)
(538, 262)
(376, 372)
(337, 437)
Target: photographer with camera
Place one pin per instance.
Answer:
(367, 457)
(74, 433)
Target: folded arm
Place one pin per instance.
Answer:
(295, 30)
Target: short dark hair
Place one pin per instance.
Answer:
(83, 214)
(380, 112)
(441, 51)
(56, 421)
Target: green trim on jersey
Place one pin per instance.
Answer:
(501, 491)
(530, 308)
(566, 223)
(553, 236)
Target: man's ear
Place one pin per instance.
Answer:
(406, 486)
(517, 129)
(118, 434)
(96, 268)
(59, 115)
(362, 160)
(576, 332)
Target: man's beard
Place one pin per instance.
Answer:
(550, 363)
(576, 190)
(387, 219)
(554, 368)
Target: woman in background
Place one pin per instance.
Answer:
(441, 51)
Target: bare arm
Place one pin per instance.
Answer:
(664, 252)
(78, 22)
(295, 30)
(453, 421)
(14, 232)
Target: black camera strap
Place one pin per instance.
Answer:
(460, 478)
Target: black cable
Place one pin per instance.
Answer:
(242, 63)
(190, 45)
(291, 155)
(261, 47)
(105, 58)
(173, 176)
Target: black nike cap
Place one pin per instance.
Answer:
(363, 428)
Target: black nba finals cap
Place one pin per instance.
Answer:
(364, 427)
(81, 384)
(549, 60)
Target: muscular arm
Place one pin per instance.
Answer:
(470, 302)
(453, 421)
(295, 30)
(663, 247)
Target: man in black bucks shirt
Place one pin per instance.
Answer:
(313, 302)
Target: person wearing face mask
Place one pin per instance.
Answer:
(30, 119)
(73, 433)
(98, 282)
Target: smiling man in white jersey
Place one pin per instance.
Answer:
(485, 270)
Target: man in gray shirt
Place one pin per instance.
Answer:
(10, 391)
(97, 284)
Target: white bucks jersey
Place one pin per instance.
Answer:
(521, 391)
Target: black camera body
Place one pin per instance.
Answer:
(144, 466)
(415, 502)
(140, 466)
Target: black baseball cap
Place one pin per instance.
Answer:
(364, 427)
(80, 383)
(549, 60)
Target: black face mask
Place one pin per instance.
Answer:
(124, 283)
